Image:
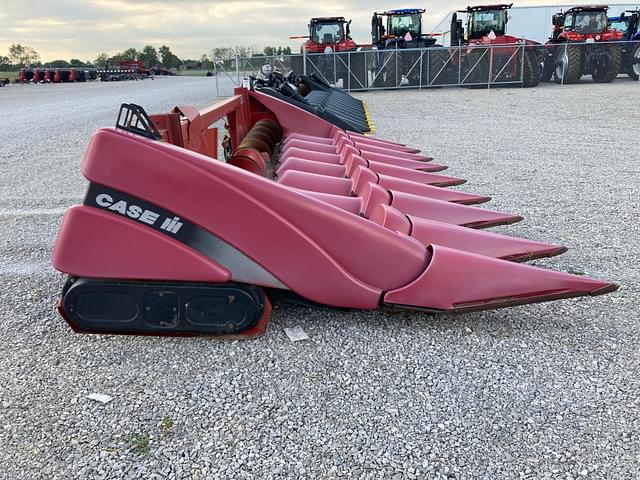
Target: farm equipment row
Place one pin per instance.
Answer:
(172, 241)
(56, 75)
(128, 70)
(481, 52)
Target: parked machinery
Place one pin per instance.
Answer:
(627, 23)
(397, 60)
(136, 66)
(583, 44)
(504, 62)
(329, 35)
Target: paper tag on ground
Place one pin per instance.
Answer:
(296, 334)
(98, 397)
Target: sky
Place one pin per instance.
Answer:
(65, 29)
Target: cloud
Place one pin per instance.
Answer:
(82, 29)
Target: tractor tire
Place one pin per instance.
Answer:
(439, 72)
(547, 66)
(386, 73)
(633, 67)
(609, 74)
(476, 68)
(568, 64)
(530, 70)
(358, 75)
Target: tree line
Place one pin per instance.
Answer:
(20, 56)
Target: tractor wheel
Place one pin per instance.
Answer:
(393, 74)
(385, 73)
(530, 70)
(476, 68)
(607, 75)
(633, 68)
(547, 66)
(358, 75)
(439, 72)
(568, 64)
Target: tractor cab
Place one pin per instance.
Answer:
(484, 19)
(329, 33)
(403, 29)
(584, 24)
(627, 23)
(485, 24)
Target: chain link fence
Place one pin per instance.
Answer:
(478, 66)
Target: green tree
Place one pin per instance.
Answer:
(268, 51)
(23, 56)
(166, 57)
(149, 55)
(101, 60)
(169, 60)
(74, 62)
(206, 63)
(5, 62)
(130, 54)
(59, 64)
(242, 52)
(224, 53)
(115, 60)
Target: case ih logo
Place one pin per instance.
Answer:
(136, 212)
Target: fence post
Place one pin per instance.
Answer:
(215, 74)
(237, 69)
(490, 66)
(421, 64)
(304, 61)
(349, 71)
(459, 62)
(366, 69)
(397, 65)
(565, 62)
(524, 52)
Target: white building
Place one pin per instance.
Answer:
(533, 23)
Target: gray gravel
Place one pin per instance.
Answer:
(540, 391)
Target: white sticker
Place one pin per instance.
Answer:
(99, 397)
(296, 334)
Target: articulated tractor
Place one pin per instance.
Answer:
(398, 60)
(329, 35)
(627, 23)
(583, 44)
(493, 56)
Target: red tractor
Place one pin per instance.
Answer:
(329, 35)
(136, 66)
(503, 62)
(583, 44)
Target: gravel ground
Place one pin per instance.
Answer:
(540, 391)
